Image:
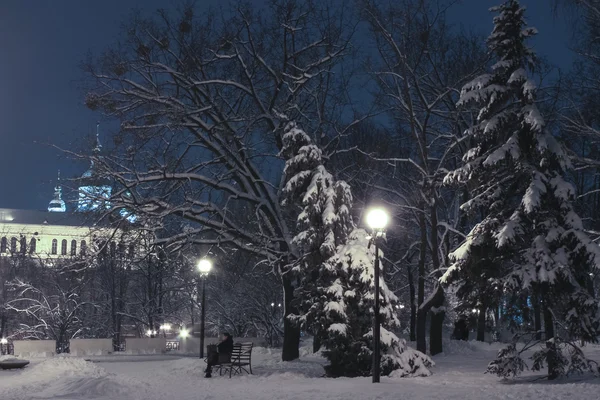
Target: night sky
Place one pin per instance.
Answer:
(43, 42)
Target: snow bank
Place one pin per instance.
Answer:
(66, 377)
(458, 375)
(452, 347)
(8, 357)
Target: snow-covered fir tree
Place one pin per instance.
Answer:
(515, 172)
(336, 270)
(324, 222)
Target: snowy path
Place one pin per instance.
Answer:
(457, 376)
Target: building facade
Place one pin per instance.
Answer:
(59, 231)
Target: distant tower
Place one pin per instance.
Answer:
(57, 204)
(94, 191)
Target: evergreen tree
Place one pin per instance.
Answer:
(325, 220)
(336, 270)
(515, 172)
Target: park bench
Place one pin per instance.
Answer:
(241, 360)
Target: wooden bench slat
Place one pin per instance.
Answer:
(241, 356)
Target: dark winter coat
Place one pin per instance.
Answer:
(226, 346)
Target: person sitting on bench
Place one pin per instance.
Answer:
(222, 355)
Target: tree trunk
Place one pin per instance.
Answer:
(550, 344)
(421, 313)
(316, 343)
(481, 322)
(291, 331)
(436, 328)
(497, 321)
(2, 324)
(413, 305)
(438, 311)
(537, 315)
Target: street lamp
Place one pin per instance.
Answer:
(377, 219)
(184, 333)
(204, 266)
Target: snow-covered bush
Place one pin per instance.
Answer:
(348, 315)
(566, 357)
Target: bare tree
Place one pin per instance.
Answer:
(200, 101)
(420, 66)
(53, 308)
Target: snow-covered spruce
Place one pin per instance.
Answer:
(515, 171)
(324, 220)
(348, 316)
(336, 270)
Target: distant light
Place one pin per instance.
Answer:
(4, 341)
(401, 306)
(204, 266)
(272, 304)
(279, 305)
(377, 218)
(149, 332)
(165, 327)
(475, 310)
(183, 333)
(591, 274)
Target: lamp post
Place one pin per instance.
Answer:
(204, 266)
(377, 219)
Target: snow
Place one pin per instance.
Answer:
(458, 374)
(533, 194)
(507, 233)
(510, 147)
(338, 328)
(533, 118)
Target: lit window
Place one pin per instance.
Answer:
(54, 246)
(63, 247)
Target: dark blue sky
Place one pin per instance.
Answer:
(42, 43)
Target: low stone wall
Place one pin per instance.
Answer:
(191, 345)
(90, 347)
(145, 345)
(34, 348)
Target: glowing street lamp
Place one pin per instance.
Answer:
(4, 341)
(204, 267)
(184, 333)
(377, 220)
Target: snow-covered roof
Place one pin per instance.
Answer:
(38, 217)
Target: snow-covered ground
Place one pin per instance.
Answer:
(457, 375)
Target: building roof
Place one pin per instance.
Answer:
(35, 217)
